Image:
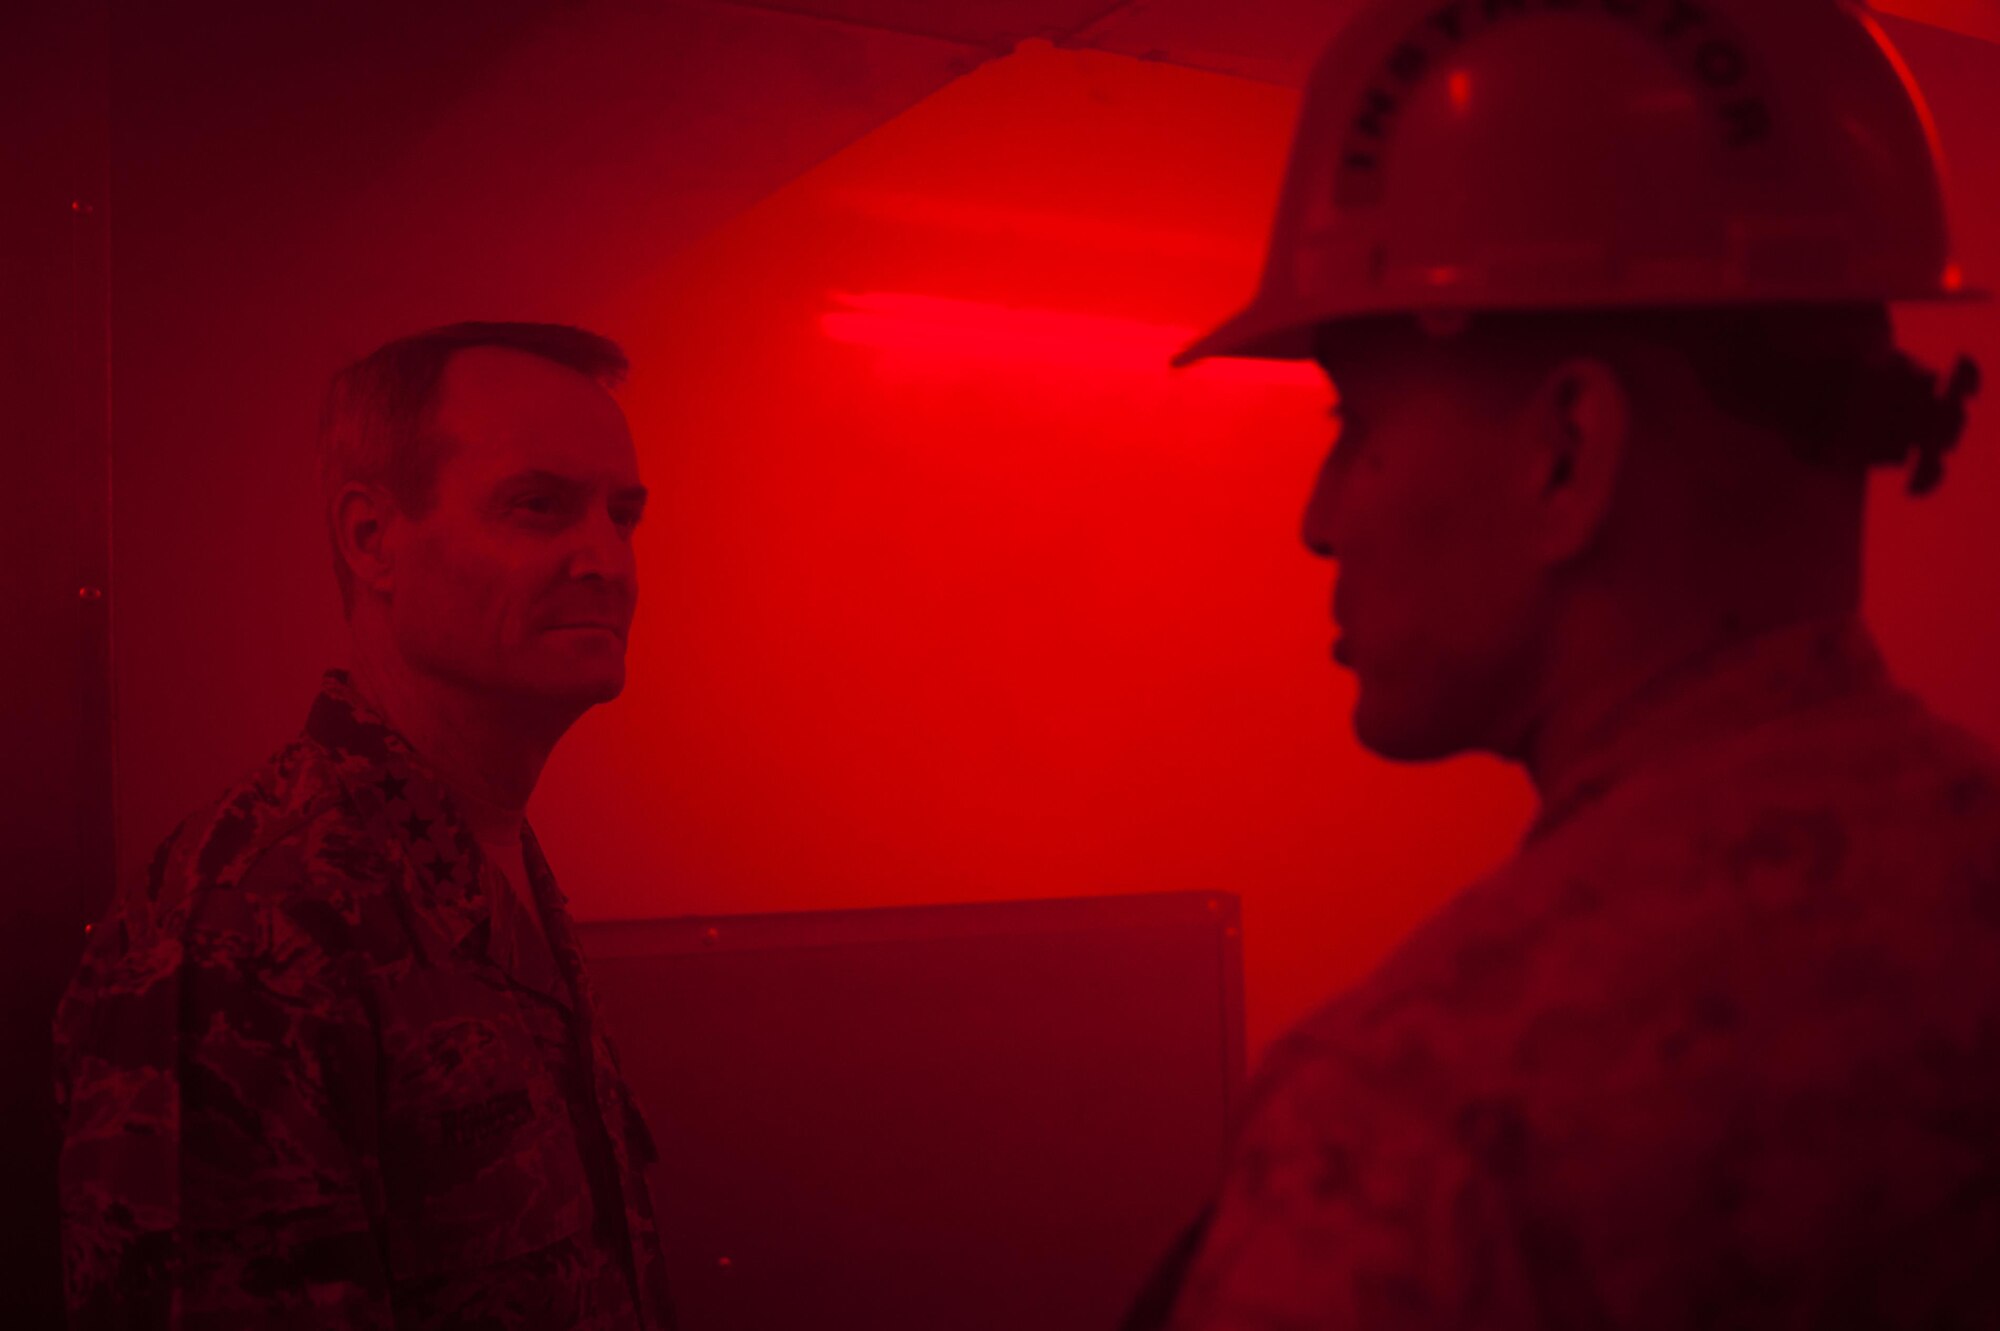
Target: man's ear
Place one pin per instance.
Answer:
(1581, 423)
(363, 522)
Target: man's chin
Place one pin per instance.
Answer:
(596, 664)
(599, 688)
(573, 687)
(1399, 739)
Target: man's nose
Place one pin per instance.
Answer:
(1316, 527)
(602, 551)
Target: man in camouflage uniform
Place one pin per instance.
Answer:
(1601, 285)
(335, 1062)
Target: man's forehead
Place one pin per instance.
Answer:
(620, 484)
(497, 392)
(529, 461)
(494, 387)
(506, 410)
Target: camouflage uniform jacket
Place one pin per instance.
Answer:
(1720, 1047)
(297, 1092)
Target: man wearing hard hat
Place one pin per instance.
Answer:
(1602, 288)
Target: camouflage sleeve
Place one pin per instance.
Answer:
(1345, 1210)
(219, 1166)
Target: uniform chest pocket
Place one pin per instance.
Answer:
(479, 1157)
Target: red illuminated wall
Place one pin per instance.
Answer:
(951, 590)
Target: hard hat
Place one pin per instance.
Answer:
(1477, 155)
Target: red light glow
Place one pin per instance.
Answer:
(941, 329)
(1061, 230)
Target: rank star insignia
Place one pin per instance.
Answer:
(418, 828)
(392, 787)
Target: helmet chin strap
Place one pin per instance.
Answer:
(1947, 424)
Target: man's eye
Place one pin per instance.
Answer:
(1350, 441)
(542, 504)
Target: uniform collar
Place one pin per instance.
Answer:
(1726, 694)
(408, 807)
(555, 914)
(405, 806)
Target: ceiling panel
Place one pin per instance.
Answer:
(1277, 41)
(1270, 42)
(1974, 18)
(667, 118)
(995, 26)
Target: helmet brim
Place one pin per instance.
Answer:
(1256, 333)
(1251, 335)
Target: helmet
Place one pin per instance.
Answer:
(1454, 156)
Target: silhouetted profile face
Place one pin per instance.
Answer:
(1425, 504)
(521, 580)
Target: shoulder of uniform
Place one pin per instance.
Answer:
(283, 837)
(120, 1013)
